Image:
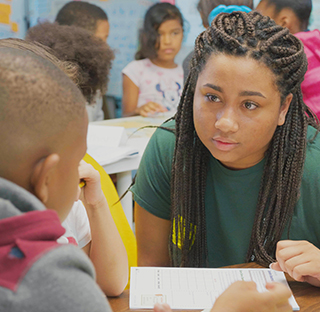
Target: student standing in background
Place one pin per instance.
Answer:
(295, 14)
(153, 82)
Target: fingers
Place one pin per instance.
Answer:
(300, 259)
(161, 307)
(279, 294)
(275, 266)
(151, 108)
(86, 171)
(287, 250)
(280, 289)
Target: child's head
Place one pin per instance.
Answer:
(43, 126)
(69, 68)
(293, 14)
(162, 32)
(206, 6)
(76, 45)
(241, 103)
(85, 15)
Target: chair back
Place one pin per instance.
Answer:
(119, 217)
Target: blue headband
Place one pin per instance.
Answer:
(226, 9)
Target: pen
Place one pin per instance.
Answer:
(82, 183)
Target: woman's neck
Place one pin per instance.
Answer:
(164, 64)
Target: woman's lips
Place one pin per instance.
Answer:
(224, 145)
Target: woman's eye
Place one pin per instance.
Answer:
(212, 98)
(250, 105)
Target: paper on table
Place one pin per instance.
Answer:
(106, 136)
(105, 155)
(192, 288)
(107, 144)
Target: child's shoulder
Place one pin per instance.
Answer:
(138, 64)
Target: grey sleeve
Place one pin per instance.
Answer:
(62, 280)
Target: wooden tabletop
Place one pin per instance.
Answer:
(307, 296)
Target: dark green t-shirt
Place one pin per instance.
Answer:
(230, 199)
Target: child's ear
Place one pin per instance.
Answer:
(42, 174)
(284, 109)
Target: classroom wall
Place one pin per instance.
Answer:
(13, 18)
(125, 16)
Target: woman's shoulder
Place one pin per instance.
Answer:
(166, 131)
(313, 140)
(311, 166)
(164, 136)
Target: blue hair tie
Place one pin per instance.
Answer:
(226, 9)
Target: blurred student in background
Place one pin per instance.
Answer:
(295, 14)
(85, 15)
(95, 20)
(208, 10)
(153, 82)
(92, 55)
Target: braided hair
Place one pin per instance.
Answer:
(258, 37)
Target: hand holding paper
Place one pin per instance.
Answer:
(300, 259)
(244, 297)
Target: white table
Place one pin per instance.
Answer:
(124, 167)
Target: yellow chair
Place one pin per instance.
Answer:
(117, 213)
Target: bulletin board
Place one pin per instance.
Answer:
(13, 21)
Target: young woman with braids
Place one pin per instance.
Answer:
(235, 176)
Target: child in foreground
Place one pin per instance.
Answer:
(153, 82)
(89, 223)
(44, 140)
(43, 128)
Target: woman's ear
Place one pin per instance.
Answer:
(42, 175)
(284, 109)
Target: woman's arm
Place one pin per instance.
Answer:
(152, 235)
(106, 249)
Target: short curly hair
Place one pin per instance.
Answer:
(69, 68)
(77, 45)
(81, 14)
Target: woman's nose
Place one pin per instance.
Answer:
(227, 121)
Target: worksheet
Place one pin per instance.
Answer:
(192, 288)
